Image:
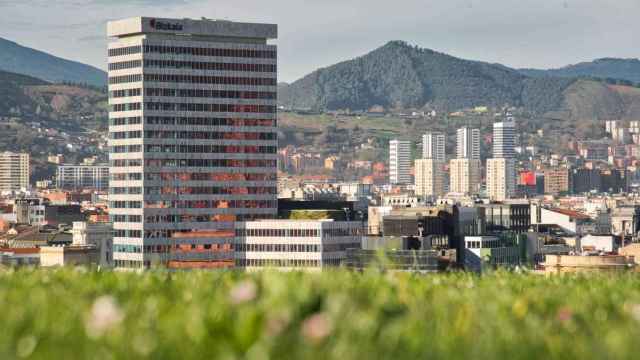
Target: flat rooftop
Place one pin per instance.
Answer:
(204, 27)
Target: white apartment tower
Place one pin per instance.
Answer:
(464, 171)
(504, 137)
(429, 179)
(193, 144)
(468, 143)
(501, 174)
(14, 171)
(80, 177)
(433, 146)
(399, 162)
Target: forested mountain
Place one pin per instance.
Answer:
(398, 75)
(401, 76)
(23, 60)
(12, 97)
(606, 68)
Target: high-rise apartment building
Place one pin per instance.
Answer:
(500, 179)
(504, 137)
(501, 172)
(80, 177)
(464, 176)
(399, 162)
(192, 138)
(14, 171)
(464, 171)
(429, 177)
(433, 146)
(468, 143)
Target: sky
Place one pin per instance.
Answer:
(319, 33)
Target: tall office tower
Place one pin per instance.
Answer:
(433, 146)
(399, 162)
(192, 138)
(429, 177)
(464, 176)
(504, 137)
(468, 143)
(14, 171)
(501, 182)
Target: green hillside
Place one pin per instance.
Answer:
(43, 118)
(12, 97)
(612, 68)
(398, 75)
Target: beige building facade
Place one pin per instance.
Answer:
(464, 176)
(14, 171)
(429, 177)
(500, 179)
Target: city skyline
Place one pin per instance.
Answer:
(184, 210)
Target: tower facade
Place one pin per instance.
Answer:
(192, 138)
(433, 146)
(504, 136)
(14, 171)
(399, 162)
(429, 177)
(464, 176)
(468, 143)
(501, 172)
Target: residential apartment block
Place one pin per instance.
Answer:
(464, 176)
(80, 177)
(399, 162)
(433, 146)
(14, 171)
(429, 177)
(501, 181)
(557, 181)
(468, 143)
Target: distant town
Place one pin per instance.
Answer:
(192, 176)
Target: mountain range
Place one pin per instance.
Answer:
(398, 75)
(23, 60)
(606, 68)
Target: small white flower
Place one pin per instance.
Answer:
(243, 292)
(105, 315)
(316, 327)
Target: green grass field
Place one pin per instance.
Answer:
(79, 314)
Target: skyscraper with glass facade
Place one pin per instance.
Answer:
(192, 136)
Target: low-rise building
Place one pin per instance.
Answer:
(571, 221)
(598, 243)
(97, 234)
(625, 221)
(631, 251)
(295, 244)
(73, 255)
(20, 256)
(574, 263)
(487, 252)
